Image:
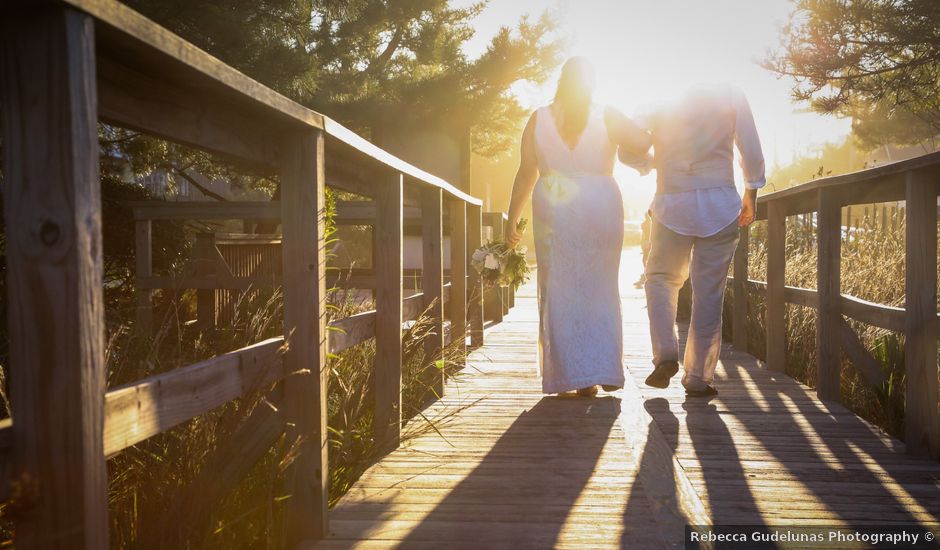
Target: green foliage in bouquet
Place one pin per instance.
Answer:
(500, 264)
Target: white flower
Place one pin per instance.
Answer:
(479, 254)
(491, 262)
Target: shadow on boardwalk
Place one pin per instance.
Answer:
(516, 469)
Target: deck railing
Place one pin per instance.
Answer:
(65, 65)
(915, 181)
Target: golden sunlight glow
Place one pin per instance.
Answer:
(645, 51)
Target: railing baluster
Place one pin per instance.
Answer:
(776, 267)
(387, 248)
(739, 318)
(922, 433)
(828, 287)
(432, 281)
(475, 290)
(458, 274)
(304, 280)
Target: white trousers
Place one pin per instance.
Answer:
(674, 258)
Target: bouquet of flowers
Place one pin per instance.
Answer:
(500, 264)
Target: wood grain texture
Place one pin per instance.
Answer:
(137, 411)
(52, 209)
(828, 289)
(878, 315)
(511, 467)
(133, 99)
(739, 311)
(304, 257)
(433, 280)
(457, 309)
(387, 239)
(776, 302)
(922, 423)
(860, 357)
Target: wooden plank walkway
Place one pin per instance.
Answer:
(514, 468)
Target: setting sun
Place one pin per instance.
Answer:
(646, 52)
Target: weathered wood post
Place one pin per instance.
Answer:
(387, 254)
(828, 287)
(739, 290)
(458, 274)
(56, 315)
(776, 266)
(143, 258)
(432, 282)
(304, 283)
(475, 287)
(922, 425)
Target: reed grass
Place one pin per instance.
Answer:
(872, 269)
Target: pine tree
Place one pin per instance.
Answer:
(371, 63)
(869, 59)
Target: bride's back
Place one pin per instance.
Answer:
(591, 153)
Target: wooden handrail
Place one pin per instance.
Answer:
(917, 182)
(111, 64)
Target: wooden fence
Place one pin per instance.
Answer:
(65, 66)
(917, 182)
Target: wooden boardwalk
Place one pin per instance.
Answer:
(514, 468)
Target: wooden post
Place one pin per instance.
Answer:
(475, 288)
(922, 433)
(776, 305)
(143, 256)
(48, 97)
(204, 252)
(458, 274)
(387, 254)
(432, 278)
(739, 319)
(828, 286)
(304, 283)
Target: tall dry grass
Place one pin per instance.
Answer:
(872, 269)
(151, 482)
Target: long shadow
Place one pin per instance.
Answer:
(707, 428)
(837, 479)
(526, 486)
(654, 492)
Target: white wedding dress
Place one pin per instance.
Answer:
(578, 226)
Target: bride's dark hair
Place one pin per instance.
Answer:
(575, 92)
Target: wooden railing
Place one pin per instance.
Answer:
(65, 65)
(917, 182)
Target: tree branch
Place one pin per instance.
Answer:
(192, 181)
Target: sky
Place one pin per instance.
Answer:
(646, 50)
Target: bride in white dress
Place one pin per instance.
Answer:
(568, 152)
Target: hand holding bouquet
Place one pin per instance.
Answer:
(501, 264)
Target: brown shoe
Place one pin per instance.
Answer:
(610, 387)
(590, 391)
(662, 373)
